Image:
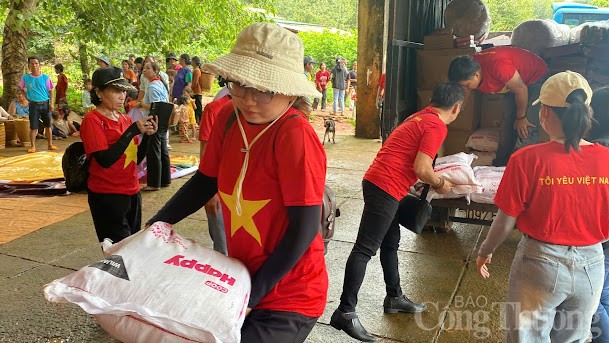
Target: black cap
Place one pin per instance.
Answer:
(171, 56)
(110, 77)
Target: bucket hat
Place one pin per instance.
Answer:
(104, 59)
(171, 56)
(110, 77)
(557, 88)
(268, 58)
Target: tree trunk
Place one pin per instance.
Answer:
(370, 62)
(84, 60)
(14, 49)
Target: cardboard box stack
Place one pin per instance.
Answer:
(432, 69)
(565, 57)
(587, 59)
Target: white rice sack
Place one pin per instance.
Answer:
(456, 169)
(485, 158)
(484, 140)
(490, 178)
(468, 17)
(157, 286)
(537, 35)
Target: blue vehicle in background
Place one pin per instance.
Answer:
(574, 14)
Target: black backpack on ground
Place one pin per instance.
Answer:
(329, 212)
(75, 167)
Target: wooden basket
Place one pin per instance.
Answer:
(22, 127)
(207, 80)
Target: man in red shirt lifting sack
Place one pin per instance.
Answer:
(500, 70)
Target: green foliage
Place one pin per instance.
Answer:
(340, 14)
(506, 15)
(325, 46)
(161, 26)
(600, 3)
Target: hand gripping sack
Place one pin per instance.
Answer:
(156, 286)
(75, 167)
(329, 212)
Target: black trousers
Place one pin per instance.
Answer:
(264, 326)
(378, 228)
(115, 216)
(157, 160)
(323, 100)
(199, 109)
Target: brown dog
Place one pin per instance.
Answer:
(330, 126)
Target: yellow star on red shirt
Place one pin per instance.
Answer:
(248, 209)
(130, 153)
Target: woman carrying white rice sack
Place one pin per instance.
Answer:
(268, 166)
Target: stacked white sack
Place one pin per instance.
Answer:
(490, 178)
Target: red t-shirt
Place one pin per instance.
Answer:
(393, 167)
(499, 65)
(98, 133)
(287, 167)
(558, 198)
(322, 78)
(62, 87)
(210, 113)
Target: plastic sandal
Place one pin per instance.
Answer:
(52, 147)
(31, 150)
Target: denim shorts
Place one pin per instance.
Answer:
(39, 111)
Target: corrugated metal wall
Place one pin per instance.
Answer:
(409, 21)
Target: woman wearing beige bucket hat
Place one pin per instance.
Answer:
(557, 194)
(268, 166)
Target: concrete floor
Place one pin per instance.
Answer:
(436, 268)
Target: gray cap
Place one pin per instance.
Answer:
(309, 60)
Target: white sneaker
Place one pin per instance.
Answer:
(169, 147)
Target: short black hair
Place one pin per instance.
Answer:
(447, 95)
(183, 100)
(462, 68)
(33, 58)
(186, 58)
(139, 60)
(59, 67)
(88, 81)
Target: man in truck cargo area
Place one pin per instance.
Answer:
(500, 70)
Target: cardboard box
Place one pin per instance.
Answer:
(469, 118)
(423, 98)
(434, 42)
(563, 50)
(455, 141)
(492, 109)
(432, 65)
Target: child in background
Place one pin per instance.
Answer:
(65, 112)
(61, 127)
(191, 111)
(61, 89)
(172, 76)
(183, 111)
(87, 106)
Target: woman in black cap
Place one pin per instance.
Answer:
(111, 145)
